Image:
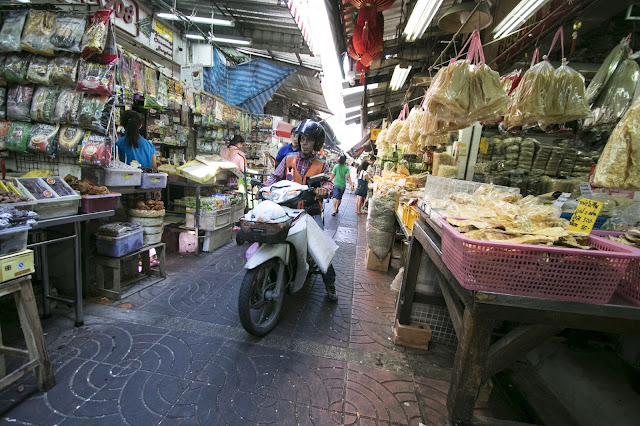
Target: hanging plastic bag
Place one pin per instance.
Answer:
(95, 35)
(396, 127)
(137, 77)
(65, 70)
(110, 51)
(96, 77)
(124, 72)
(179, 93)
(96, 150)
(4, 131)
(606, 70)
(36, 36)
(68, 30)
(67, 108)
(19, 103)
(11, 32)
(95, 112)
(18, 136)
(487, 98)
(163, 91)
(616, 95)
(40, 70)
(69, 140)
(43, 104)
(43, 139)
(15, 68)
(567, 97)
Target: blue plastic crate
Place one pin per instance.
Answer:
(599, 221)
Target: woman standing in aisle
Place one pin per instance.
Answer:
(235, 154)
(363, 186)
(340, 172)
(132, 146)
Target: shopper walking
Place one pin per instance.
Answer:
(340, 178)
(353, 175)
(363, 186)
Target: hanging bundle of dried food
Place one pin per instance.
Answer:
(606, 70)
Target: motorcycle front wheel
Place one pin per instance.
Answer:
(259, 315)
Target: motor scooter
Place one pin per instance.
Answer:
(289, 250)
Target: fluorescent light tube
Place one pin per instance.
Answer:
(352, 90)
(230, 40)
(518, 16)
(223, 22)
(421, 16)
(194, 36)
(399, 77)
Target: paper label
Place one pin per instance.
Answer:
(402, 182)
(585, 216)
(484, 145)
(562, 199)
(585, 189)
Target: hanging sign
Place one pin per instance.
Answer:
(562, 199)
(375, 133)
(585, 216)
(484, 146)
(162, 40)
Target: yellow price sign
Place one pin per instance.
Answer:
(374, 134)
(585, 216)
(484, 146)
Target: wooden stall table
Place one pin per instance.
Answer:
(36, 351)
(474, 312)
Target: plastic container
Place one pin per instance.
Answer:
(237, 212)
(537, 271)
(48, 203)
(153, 180)
(119, 246)
(222, 218)
(210, 220)
(629, 286)
(112, 176)
(13, 240)
(219, 238)
(99, 203)
(599, 221)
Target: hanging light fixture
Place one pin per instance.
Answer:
(518, 16)
(452, 20)
(421, 16)
(221, 22)
(229, 39)
(399, 76)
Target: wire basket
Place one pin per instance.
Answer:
(263, 232)
(537, 271)
(629, 286)
(441, 187)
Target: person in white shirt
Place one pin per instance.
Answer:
(353, 174)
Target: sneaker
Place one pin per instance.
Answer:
(331, 293)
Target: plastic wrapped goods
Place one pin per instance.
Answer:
(488, 100)
(69, 139)
(95, 112)
(393, 131)
(11, 32)
(36, 36)
(68, 30)
(65, 70)
(448, 96)
(137, 77)
(381, 224)
(542, 158)
(416, 120)
(568, 161)
(606, 70)
(95, 77)
(96, 150)
(18, 136)
(43, 139)
(95, 35)
(566, 97)
(43, 104)
(447, 171)
(40, 70)
(67, 108)
(527, 151)
(403, 134)
(619, 164)
(531, 96)
(440, 159)
(381, 139)
(616, 95)
(15, 68)
(19, 103)
(553, 165)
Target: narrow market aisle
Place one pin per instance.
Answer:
(176, 353)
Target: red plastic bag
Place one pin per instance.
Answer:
(95, 36)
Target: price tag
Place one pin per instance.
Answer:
(402, 182)
(585, 189)
(585, 216)
(484, 145)
(562, 199)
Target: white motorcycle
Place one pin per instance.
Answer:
(290, 246)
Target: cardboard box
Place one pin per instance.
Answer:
(415, 335)
(374, 264)
(16, 265)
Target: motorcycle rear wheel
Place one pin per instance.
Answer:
(257, 314)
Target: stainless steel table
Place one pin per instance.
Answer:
(76, 220)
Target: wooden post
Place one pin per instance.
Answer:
(468, 367)
(409, 282)
(146, 263)
(160, 253)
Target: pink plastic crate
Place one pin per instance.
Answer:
(99, 203)
(537, 271)
(629, 286)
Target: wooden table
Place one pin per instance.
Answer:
(474, 312)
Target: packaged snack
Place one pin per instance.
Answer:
(178, 90)
(15, 68)
(67, 31)
(42, 140)
(124, 72)
(67, 107)
(95, 112)
(44, 104)
(36, 36)
(163, 91)
(3, 103)
(137, 78)
(110, 52)
(40, 71)
(12, 30)
(18, 136)
(4, 131)
(65, 70)
(3, 80)
(95, 77)
(19, 103)
(95, 35)
(150, 83)
(69, 139)
(96, 150)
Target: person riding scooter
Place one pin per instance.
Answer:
(296, 167)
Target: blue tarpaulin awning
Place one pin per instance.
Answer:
(249, 85)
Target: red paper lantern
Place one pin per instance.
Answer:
(379, 4)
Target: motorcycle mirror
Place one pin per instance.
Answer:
(255, 182)
(317, 180)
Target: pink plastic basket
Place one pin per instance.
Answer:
(537, 271)
(629, 286)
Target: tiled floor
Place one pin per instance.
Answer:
(175, 353)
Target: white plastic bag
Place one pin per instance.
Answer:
(321, 247)
(397, 281)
